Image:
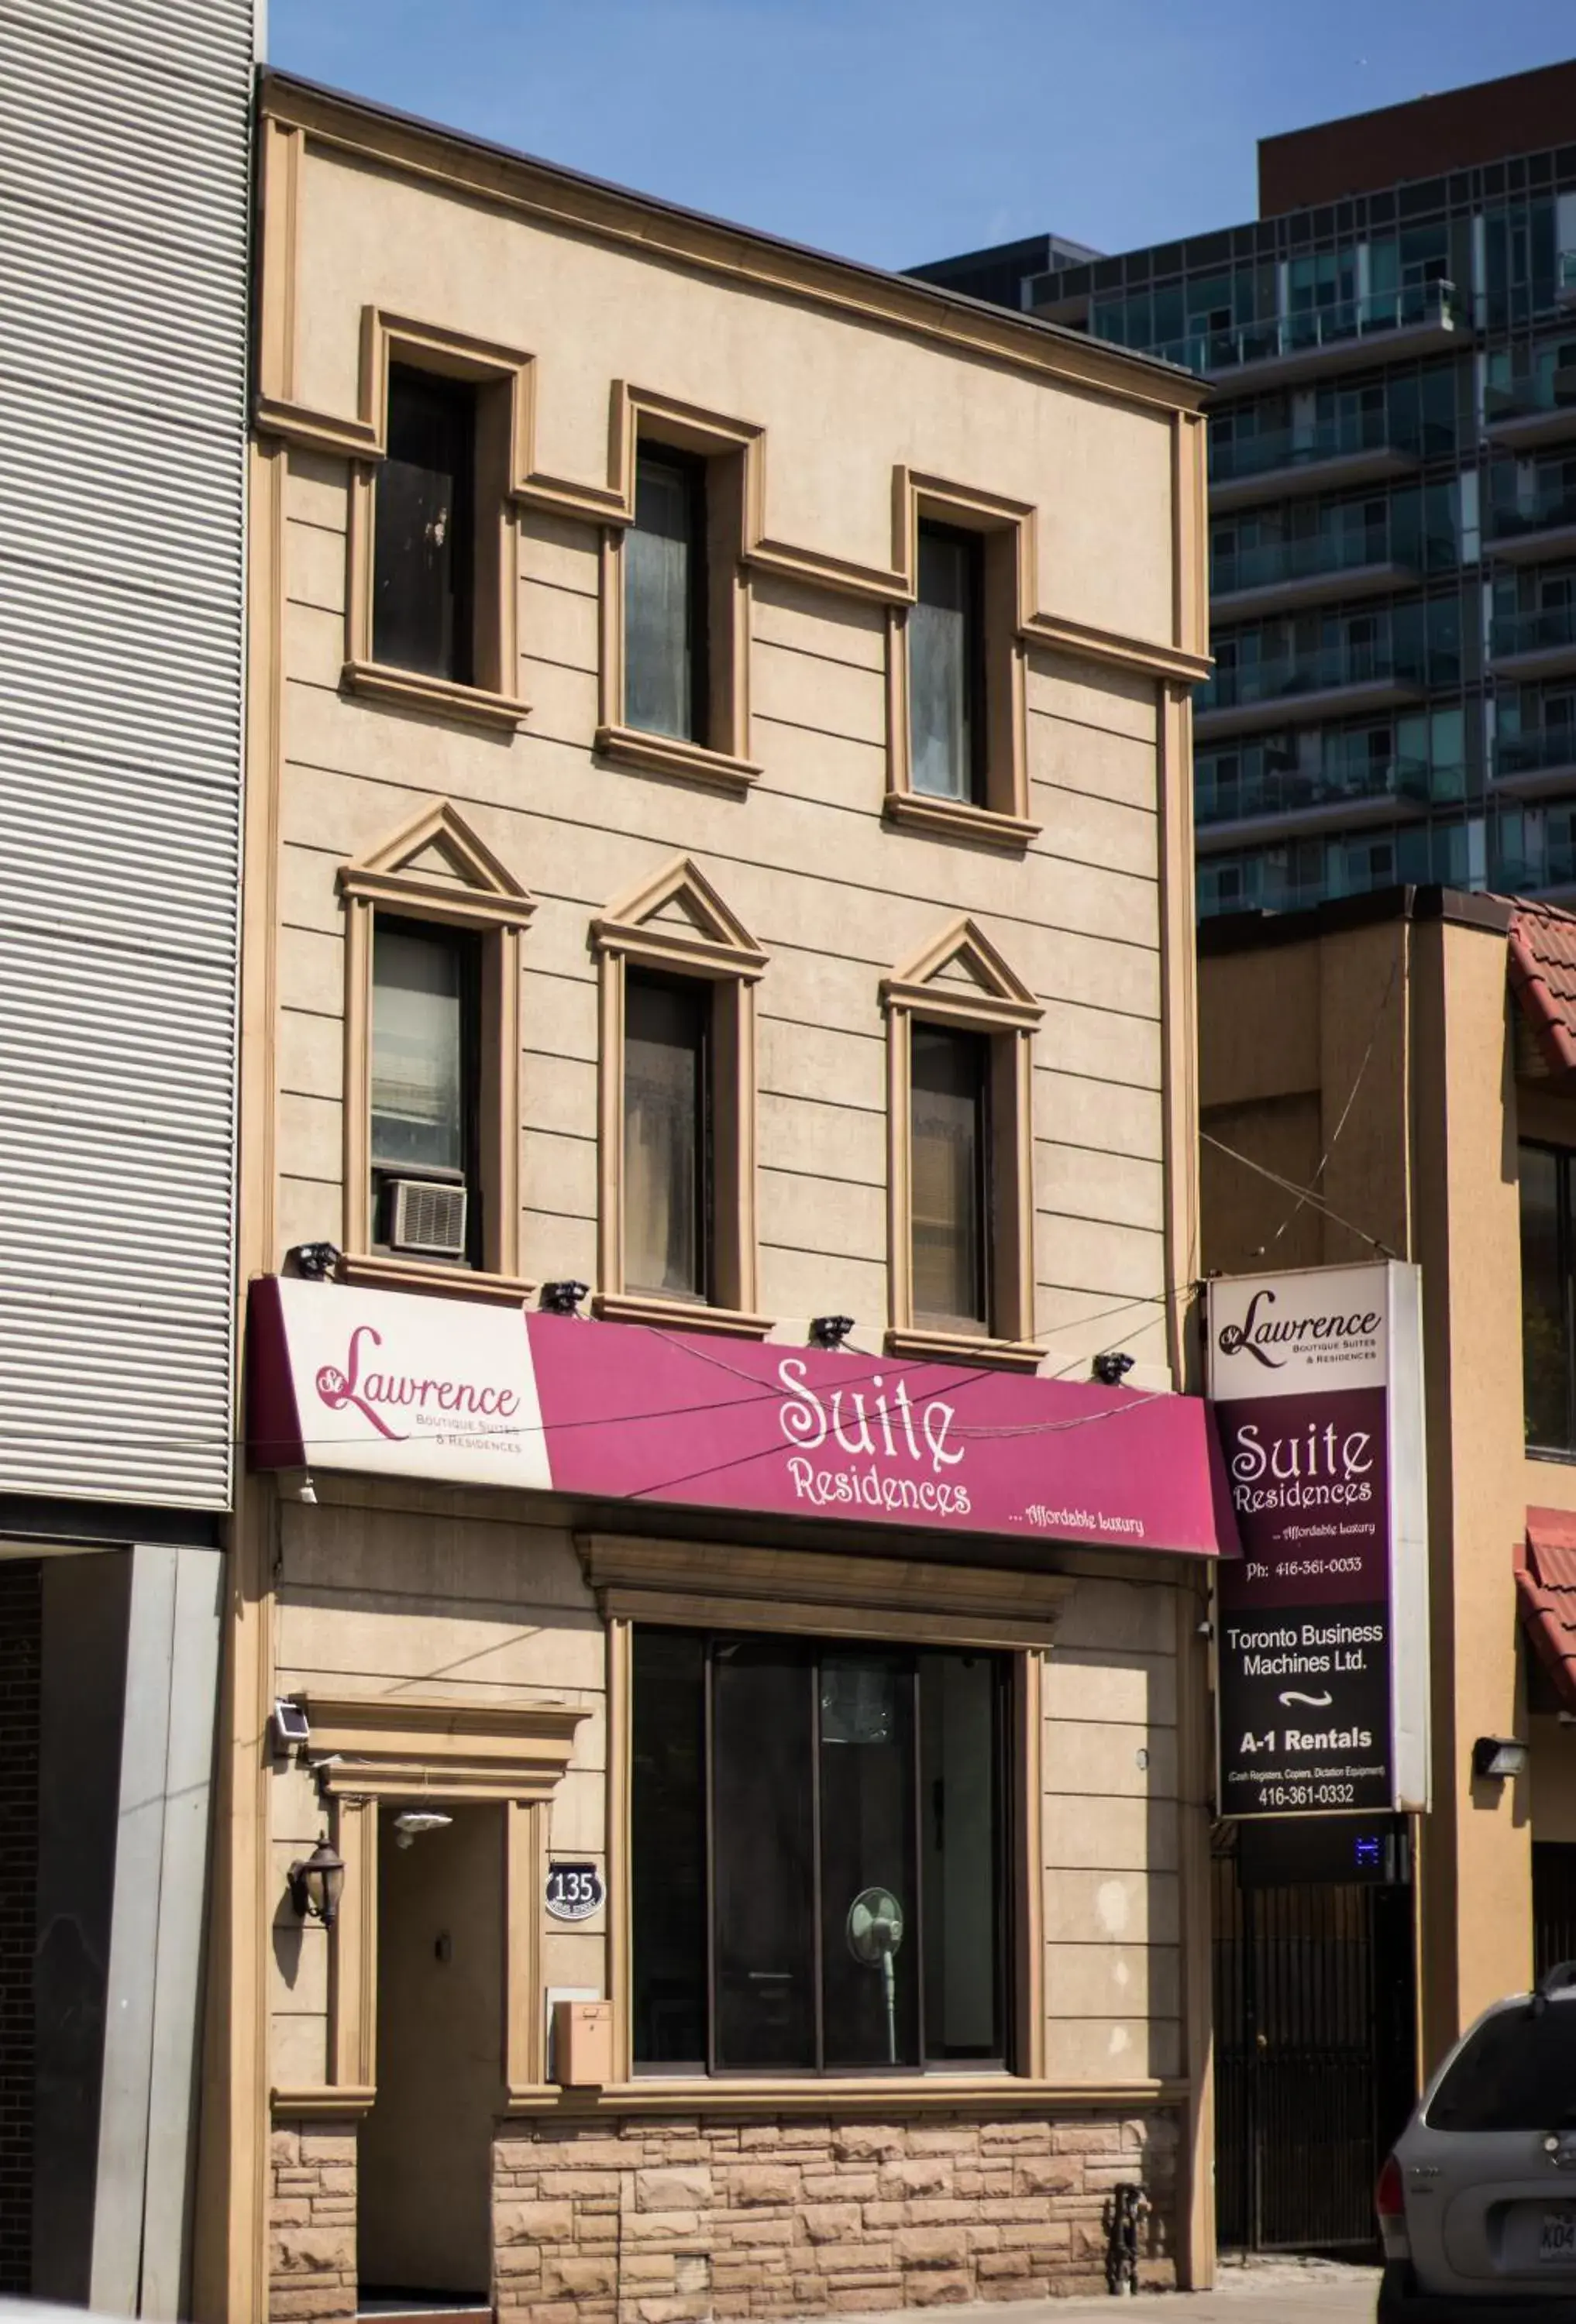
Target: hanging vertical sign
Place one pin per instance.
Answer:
(1322, 1696)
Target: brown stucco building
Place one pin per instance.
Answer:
(1393, 1072)
(719, 861)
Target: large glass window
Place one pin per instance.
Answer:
(950, 1177)
(667, 1184)
(1548, 1255)
(946, 647)
(664, 624)
(820, 1874)
(424, 1058)
(424, 528)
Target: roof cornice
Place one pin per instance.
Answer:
(578, 204)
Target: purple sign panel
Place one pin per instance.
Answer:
(468, 1392)
(1321, 1665)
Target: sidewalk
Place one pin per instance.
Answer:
(1263, 2291)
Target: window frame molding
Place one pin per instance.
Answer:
(511, 1754)
(730, 450)
(494, 906)
(1006, 530)
(997, 1003)
(503, 376)
(723, 1585)
(718, 949)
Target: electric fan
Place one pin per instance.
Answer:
(875, 1931)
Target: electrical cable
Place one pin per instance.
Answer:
(1290, 1187)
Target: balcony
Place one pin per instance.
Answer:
(1548, 869)
(1330, 681)
(1534, 645)
(1533, 765)
(1543, 524)
(1273, 576)
(1359, 448)
(1348, 336)
(1540, 408)
(1284, 805)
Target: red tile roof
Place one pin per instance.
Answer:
(1546, 1589)
(1543, 977)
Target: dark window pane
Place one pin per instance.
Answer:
(961, 1869)
(424, 542)
(944, 657)
(948, 1186)
(664, 559)
(869, 1925)
(1546, 1331)
(418, 1049)
(1516, 2073)
(666, 1137)
(668, 1847)
(762, 1776)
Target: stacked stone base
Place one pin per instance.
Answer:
(669, 2221)
(311, 2225)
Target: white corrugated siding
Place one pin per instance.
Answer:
(125, 197)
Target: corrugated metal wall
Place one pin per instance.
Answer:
(125, 196)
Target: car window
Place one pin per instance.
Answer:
(1516, 2072)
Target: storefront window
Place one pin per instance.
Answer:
(819, 1875)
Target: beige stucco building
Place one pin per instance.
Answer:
(719, 857)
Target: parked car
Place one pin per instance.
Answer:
(1476, 2203)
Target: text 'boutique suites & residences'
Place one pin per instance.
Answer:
(715, 1783)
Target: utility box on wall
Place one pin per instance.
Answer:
(582, 2043)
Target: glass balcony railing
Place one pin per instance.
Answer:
(1227, 798)
(1549, 864)
(1233, 459)
(1525, 398)
(1268, 563)
(1535, 752)
(1543, 631)
(1548, 507)
(1238, 685)
(1419, 305)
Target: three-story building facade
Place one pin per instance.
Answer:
(714, 1804)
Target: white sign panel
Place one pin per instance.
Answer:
(404, 1386)
(1322, 1689)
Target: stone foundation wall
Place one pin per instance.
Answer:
(312, 2221)
(677, 2221)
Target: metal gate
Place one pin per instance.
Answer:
(1313, 2057)
(1553, 1904)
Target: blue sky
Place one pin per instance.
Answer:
(897, 130)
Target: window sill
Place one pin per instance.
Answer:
(957, 819)
(677, 1314)
(964, 1348)
(385, 1270)
(835, 2094)
(410, 689)
(324, 2100)
(666, 754)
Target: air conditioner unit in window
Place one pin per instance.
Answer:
(426, 1215)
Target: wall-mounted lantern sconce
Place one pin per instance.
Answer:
(315, 1885)
(830, 1331)
(1497, 1757)
(563, 1298)
(1108, 1369)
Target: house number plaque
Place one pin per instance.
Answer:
(575, 1891)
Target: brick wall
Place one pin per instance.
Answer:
(21, 1640)
(655, 2221)
(312, 2221)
